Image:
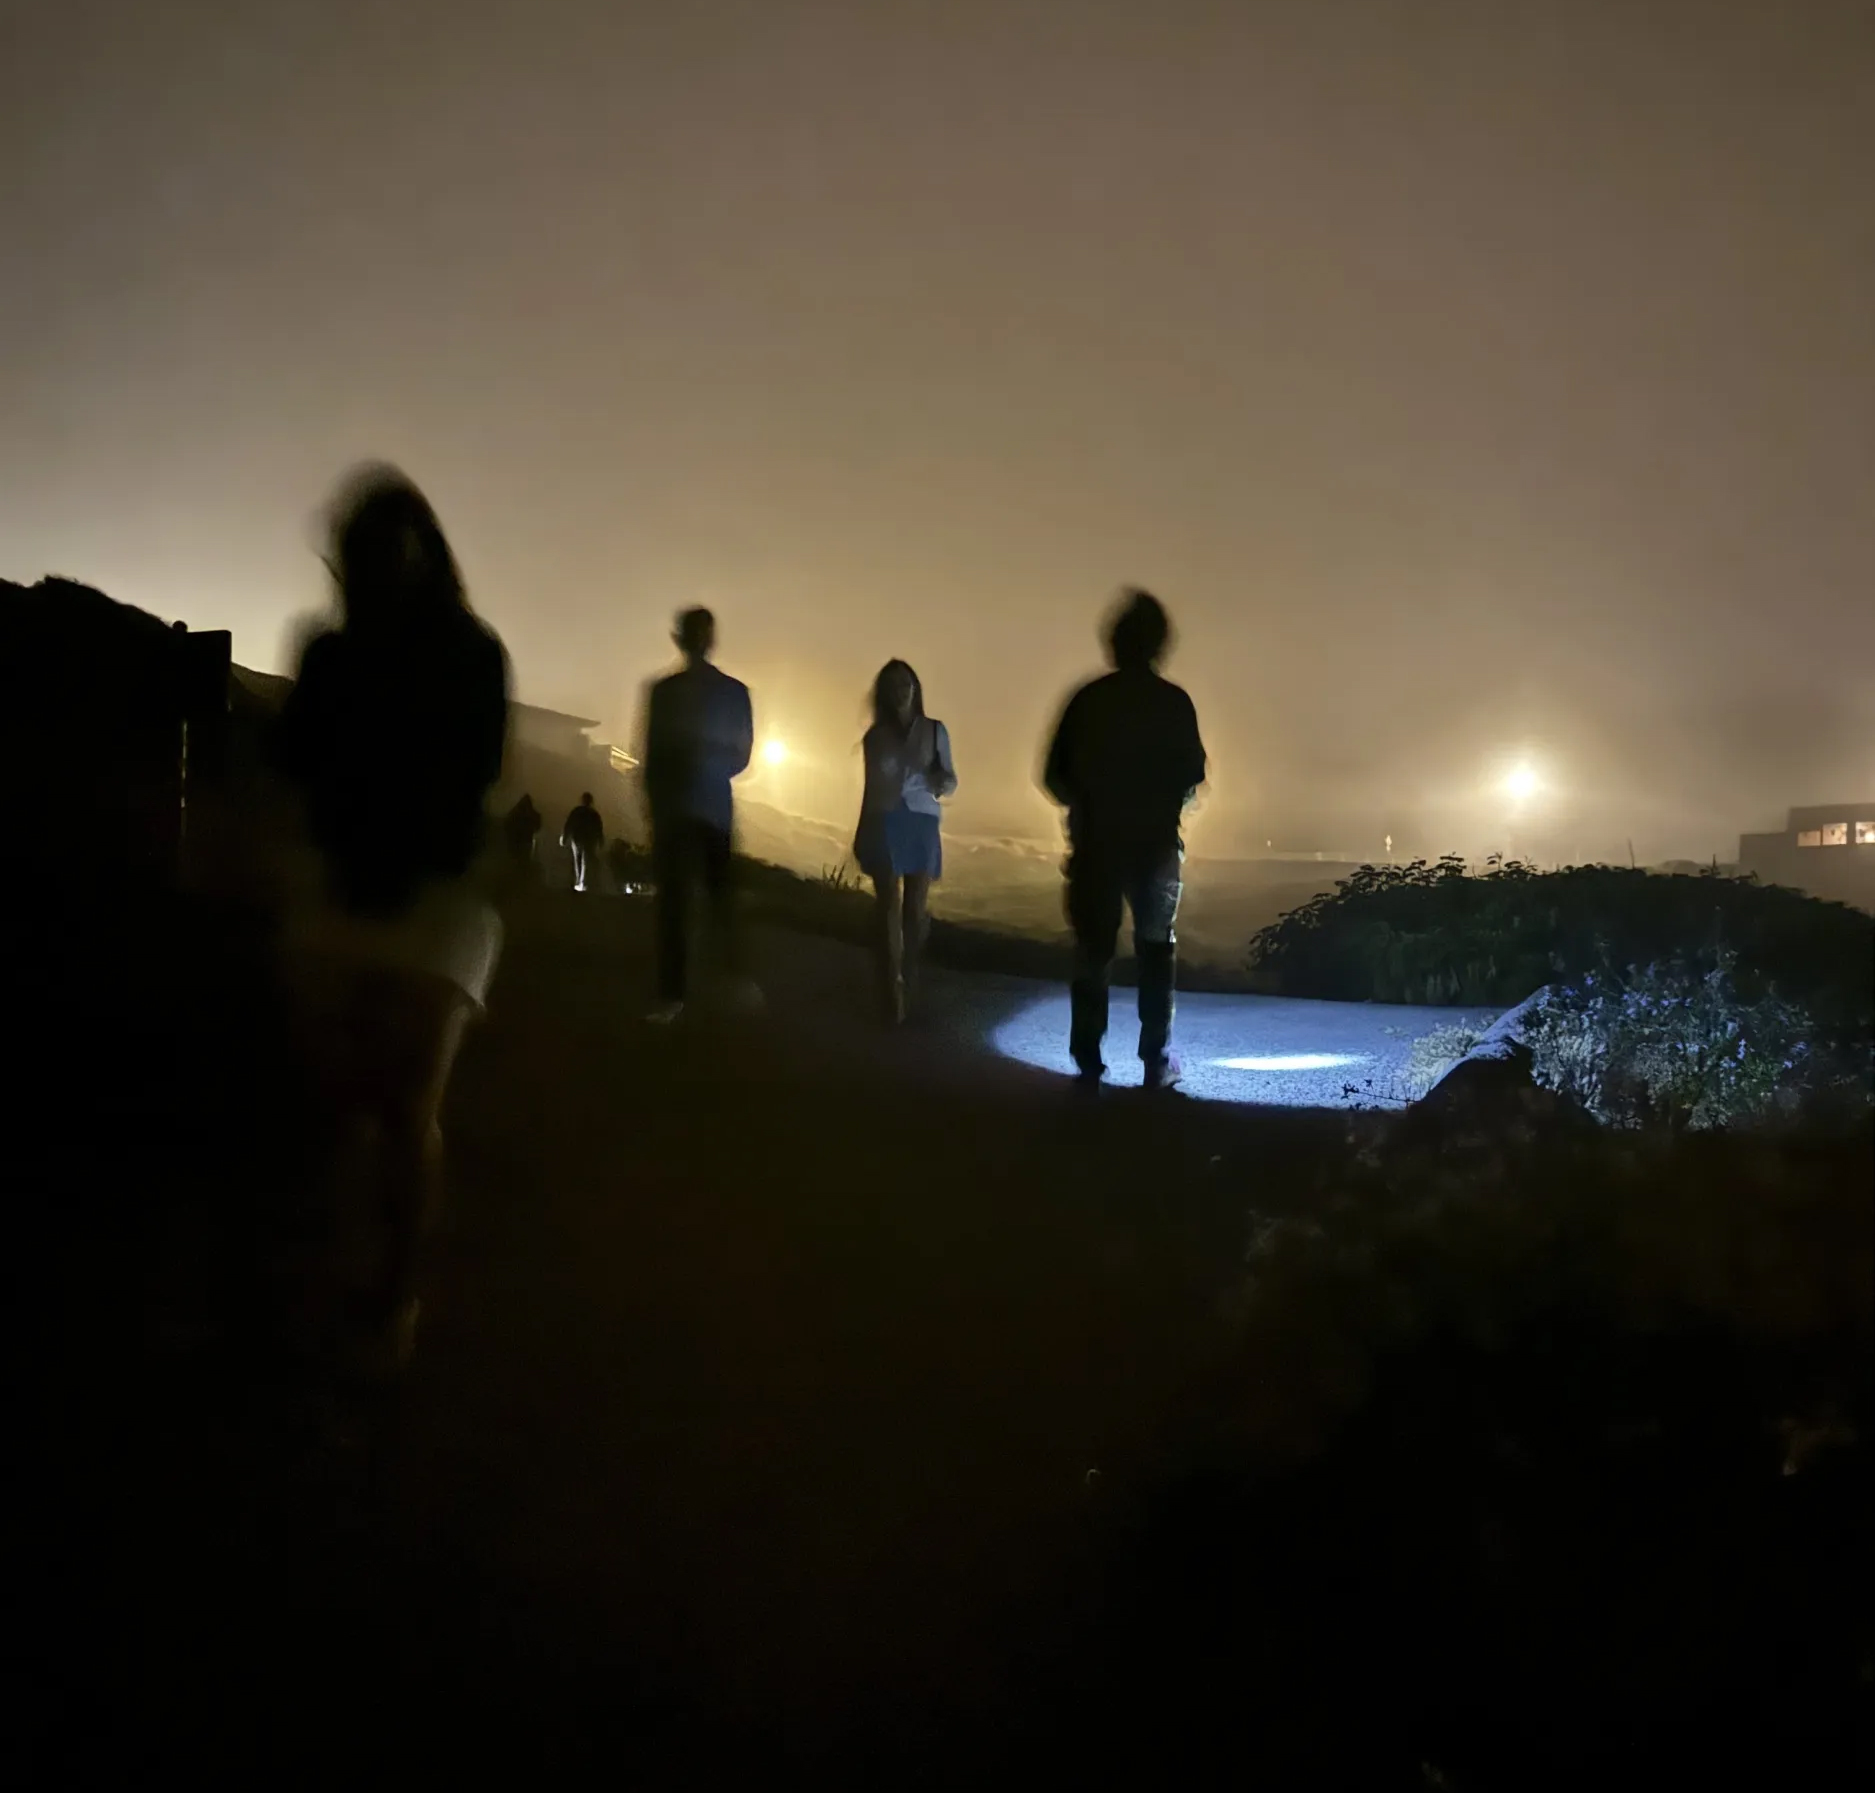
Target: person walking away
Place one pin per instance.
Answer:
(699, 734)
(1125, 761)
(521, 828)
(393, 734)
(898, 844)
(583, 836)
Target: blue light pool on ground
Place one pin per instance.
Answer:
(1259, 1051)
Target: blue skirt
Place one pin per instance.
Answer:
(901, 843)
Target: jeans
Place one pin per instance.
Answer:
(1101, 882)
(691, 859)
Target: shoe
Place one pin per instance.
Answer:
(1088, 1076)
(1164, 1072)
(664, 1013)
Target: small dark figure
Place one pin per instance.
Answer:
(393, 733)
(898, 844)
(521, 829)
(583, 837)
(1125, 761)
(699, 734)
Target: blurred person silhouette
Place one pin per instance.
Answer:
(521, 828)
(898, 844)
(1125, 761)
(699, 735)
(583, 836)
(393, 733)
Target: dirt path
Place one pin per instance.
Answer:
(765, 1363)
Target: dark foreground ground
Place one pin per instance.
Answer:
(799, 1402)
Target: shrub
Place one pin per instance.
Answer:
(1435, 1053)
(1681, 1043)
(1535, 1427)
(1407, 1243)
(1438, 933)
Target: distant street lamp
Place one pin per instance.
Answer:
(774, 753)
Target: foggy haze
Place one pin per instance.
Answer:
(1480, 384)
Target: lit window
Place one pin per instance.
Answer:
(1865, 834)
(1810, 837)
(1835, 834)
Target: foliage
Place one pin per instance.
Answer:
(1680, 1043)
(1408, 1243)
(1500, 1438)
(1435, 1053)
(1439, 933)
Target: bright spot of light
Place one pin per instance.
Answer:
(1293, 1061)
(1521, 783)
(774, 753)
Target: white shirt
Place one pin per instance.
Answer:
(914, 769)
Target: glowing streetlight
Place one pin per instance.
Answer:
(1521, 783)
(774, 753)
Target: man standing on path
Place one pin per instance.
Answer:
(583, 836)
(699, 734)
(1125, 761)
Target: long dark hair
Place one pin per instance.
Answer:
(389, 555)
(882, 716)
(395, 726)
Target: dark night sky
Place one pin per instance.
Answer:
(1474, 379)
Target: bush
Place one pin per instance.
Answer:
(1577, 1427)
(1438, 933)
(1680, 1043)
(1409, 1243)
(1435, 1053)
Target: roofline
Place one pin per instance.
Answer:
(557, 715)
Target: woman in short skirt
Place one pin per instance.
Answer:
(897, 846)
(394, 735)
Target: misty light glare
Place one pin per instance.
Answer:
(1521, 783)
(774, 753)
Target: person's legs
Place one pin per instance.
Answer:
(1094, 900)
(889, 943)
(422, 1021)
(914, 927)
(579, 866)
(380, 1045)
(1153, 892)
(716, 866)
(672, 866)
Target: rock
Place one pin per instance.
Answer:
(1493, 1087)
(1505, 1037)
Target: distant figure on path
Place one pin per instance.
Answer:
(1125, 761)
(699, 734)
(898, 845)
(394, 734)
(521, 827)
(583, 836)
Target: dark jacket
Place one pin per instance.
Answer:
(699, 734)
(1125, 761)
(584, 828)
(395, 738)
